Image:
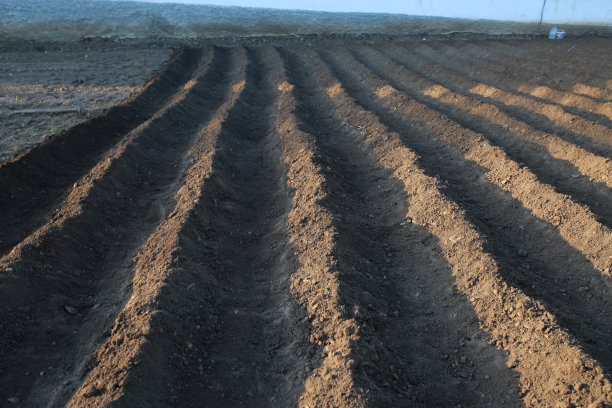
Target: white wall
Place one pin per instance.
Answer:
(587, 12)
(555, 11)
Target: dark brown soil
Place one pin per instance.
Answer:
(43, 82)
(357, 225)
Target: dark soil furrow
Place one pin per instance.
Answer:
(587, 178)
(569, 63)
(256, 353)
(540, 72)
(536, 128)
(598, 112)
(329, 222)
(87, 247)
(539, 66)
(225, 272)
(571, 219)
(542, 116)
(538, 122)
(37, 181)
(527, 334)
(527, 50)
(412, 324)
(315, 284)
(532, 256)
(156, 268)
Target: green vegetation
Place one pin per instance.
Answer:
(34, 133)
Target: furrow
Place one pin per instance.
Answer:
(540, 133)
(576, 48)
(576, 104)
(567, 99)
(564, 64)
(568, 54)
(419, 342)
(127, 347)
(42, 177)
(576, 223)
(86, 248)
(540, 72)
(587, 143)
(257, 352)
(531, 254)
(550, 363)
(602, 93)
(525, 108)
(315, 284)
(585, 106)
(553, 160)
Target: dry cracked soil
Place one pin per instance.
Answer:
(389, 224)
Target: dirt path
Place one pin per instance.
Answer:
(319, 226)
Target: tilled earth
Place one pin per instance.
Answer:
(367, 225)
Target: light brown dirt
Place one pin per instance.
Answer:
(357, 225)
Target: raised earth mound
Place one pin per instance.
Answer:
(366, 225)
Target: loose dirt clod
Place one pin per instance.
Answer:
(355, 225)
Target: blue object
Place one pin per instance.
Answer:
(76, 102)
(553, 33)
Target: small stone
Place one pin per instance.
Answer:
(13, 400)
(71, 310)
(9, 270)
(396, 313)
(522, 252)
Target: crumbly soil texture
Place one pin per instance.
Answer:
(45, 90)
(367, 224)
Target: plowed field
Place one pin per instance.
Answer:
(366, 225)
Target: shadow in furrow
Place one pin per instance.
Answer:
(69, 280)
(35, 182)
(535, 66)
(572, 129)
(559, 173)
(502, 55)
(243, 341)
(419, 340)
(520, 85)
(531, 253)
